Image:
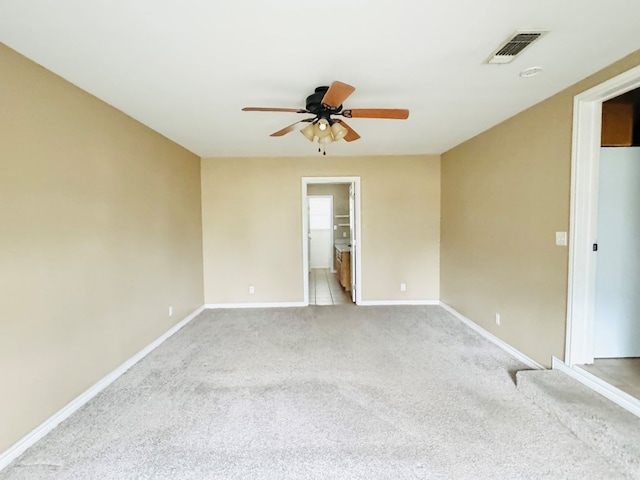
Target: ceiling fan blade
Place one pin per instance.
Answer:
(393, 113)
(290, 128)
(351, 133)
(337, 93)
(270, 109)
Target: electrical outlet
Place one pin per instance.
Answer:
(497, 319)
(561, 239)
(252, 290)
(403, 287)
(171, 310)
(344, 234)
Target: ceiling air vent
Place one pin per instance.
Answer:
(515, 45)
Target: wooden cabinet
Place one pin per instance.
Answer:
(618, 121)
(343, 267)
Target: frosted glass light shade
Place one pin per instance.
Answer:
(338, 131)
(326, 140)
(322, 129)
(309, 131)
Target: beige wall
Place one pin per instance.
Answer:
(252, 226)
(100, 231)
(504, 195)
(340, 194)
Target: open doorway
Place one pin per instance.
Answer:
(616, 315)
(602, 313)
(324, 285)
(331, 246)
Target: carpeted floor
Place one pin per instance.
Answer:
(607, 428)
(338, 392)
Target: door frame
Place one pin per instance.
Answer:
(585, 159)
(330, 197)
(355, 249)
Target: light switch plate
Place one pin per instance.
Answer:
(561, 239)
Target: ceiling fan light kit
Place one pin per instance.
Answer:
(309, 131)
(323, 128)
(325, 102)
(338, 132)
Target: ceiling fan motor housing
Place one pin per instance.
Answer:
(314, 104)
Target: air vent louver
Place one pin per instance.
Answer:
(514, 46)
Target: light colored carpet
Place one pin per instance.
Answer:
(336, 392)
(608, 428)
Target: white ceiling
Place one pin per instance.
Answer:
(185, 68)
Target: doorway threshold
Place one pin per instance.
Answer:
(613, 393)
(325, 289)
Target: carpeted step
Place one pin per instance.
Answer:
(604, 426)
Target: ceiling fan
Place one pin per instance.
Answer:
(325, 103)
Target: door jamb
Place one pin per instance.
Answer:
(305, 231)
(585, 157)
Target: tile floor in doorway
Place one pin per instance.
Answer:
(623, 373)
(325, 289)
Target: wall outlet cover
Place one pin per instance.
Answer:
(561, 239)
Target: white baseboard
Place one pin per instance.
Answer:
(255, 305)
(365, 303)
(492, 338)
(596, 384)
(370, 303)
(65, 412)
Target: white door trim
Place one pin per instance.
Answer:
(305, 231)
(585, 157)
